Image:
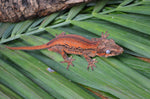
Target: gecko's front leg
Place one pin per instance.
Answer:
(91, 62)
(59, 49)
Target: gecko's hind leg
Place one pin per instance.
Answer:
(60, 50)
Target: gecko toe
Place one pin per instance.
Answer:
(69, 61)
(92, 64)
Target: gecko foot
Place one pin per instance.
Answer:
(69, 61)
(91, 64)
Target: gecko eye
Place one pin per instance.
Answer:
(107, 51)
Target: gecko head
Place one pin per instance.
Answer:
(107, 47)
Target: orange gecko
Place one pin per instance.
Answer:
(75, 44)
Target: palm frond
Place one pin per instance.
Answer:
(29, 74)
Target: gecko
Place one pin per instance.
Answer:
(79, 45)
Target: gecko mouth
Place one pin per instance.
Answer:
(121, 50)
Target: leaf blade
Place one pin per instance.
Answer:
(124, 20)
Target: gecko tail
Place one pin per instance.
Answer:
(44, 46)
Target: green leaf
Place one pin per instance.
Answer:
(52, 82)
(136, 64)
(99, 5)
(21, 27)
(4, 28)
(145, 2)
(19, 83)
(7, 32)
(74, 11)
(48, 20)
(131, 21)
(135, 9)
(6, 93)
(125, 2)
(35, 24)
